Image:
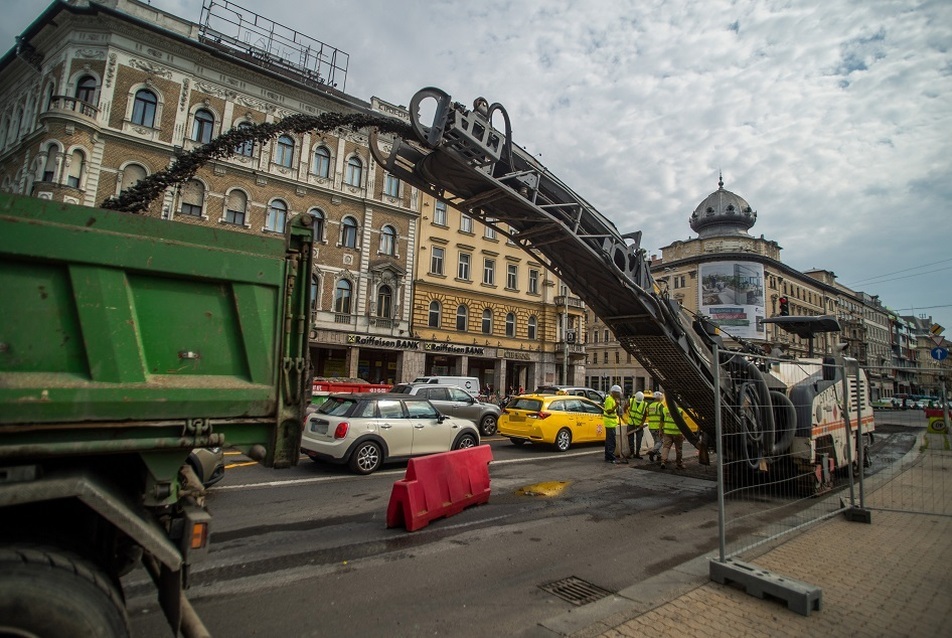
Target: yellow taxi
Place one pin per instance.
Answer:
(559, 420)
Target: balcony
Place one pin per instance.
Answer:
(60, 104)
(568, 302)
(570, 347)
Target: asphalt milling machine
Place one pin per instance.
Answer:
(786, 418)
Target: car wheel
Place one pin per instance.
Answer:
(487, 427)
(366, 458)
(517, 442)
(563, 440)
(465, 441)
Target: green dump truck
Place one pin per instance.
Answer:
(126, 342)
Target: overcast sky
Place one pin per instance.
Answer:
(832, 118)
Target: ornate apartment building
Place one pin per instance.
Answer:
(96, 95)
(739, 280)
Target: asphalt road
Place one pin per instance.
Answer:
(306, 551)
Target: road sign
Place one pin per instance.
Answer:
(939, 353)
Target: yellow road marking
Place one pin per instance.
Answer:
(231, 465)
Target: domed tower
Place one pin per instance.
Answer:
(722, 213)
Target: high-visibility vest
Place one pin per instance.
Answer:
(636, 412)
(610, 412)
(655, 411)
(668, 425)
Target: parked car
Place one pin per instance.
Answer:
(367, 430)
(208, 463)
(470, 384)
(589, 393)
(557, 419)
(453, 401)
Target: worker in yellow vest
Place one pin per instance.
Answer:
(636, 413)
(671, 436)
(654, 415)
(610, 413)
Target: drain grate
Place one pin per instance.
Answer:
(575, 590)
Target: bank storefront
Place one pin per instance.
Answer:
(386, 359)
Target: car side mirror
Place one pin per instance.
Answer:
(440, 417)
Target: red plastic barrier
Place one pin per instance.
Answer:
(440, 485)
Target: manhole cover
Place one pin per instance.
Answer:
(575, 590)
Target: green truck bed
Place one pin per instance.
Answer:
(124, 333)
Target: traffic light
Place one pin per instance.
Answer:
(784, 307)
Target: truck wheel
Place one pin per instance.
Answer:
(47, 592)
(366, 458)
(487, 427)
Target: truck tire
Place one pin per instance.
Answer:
(48, 592)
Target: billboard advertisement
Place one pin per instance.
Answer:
(732, 296)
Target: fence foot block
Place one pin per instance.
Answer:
(800, 597)
(858, 515)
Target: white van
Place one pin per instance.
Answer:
(470, 384)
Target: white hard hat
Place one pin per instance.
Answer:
(657, 396)
(616, 388)
(639, 396)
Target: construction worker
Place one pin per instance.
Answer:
(672, 436)
(637, 412)
(654, 414)
(610, 413)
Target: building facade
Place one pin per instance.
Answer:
(98, 95)
(739, 282)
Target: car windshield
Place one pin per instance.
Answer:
(522, 403)
(336, 406)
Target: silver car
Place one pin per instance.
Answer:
(456, 402)
(366, 430)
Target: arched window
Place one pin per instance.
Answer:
(342, 297)
(49, 169)
(348, 232)
(143, 108)
(388, 240)
(531, 327)
(385, 302)
(277, 216)
(246, 148)
(193, 198)
(132, 175)
(284, 152)
(86, 89)
(462, 318)
(510, 325)
(487, 321)
(77, 167)
(319, 222)
(435, 315)
(355, 172)
(202, 126)
(322, 162)
(236, 208)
